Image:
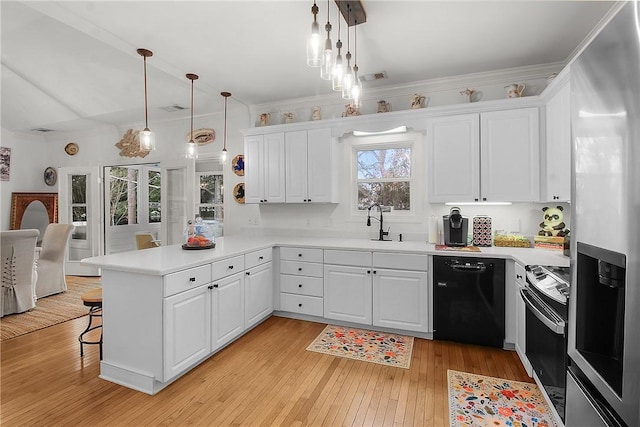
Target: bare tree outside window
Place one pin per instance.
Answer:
(384, 177)
(123, 182)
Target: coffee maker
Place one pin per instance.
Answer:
(455, 228)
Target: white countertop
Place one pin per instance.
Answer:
(169, 259)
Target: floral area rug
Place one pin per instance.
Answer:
(369, 346)
(476, 400)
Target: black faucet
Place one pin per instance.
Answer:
(382, 232)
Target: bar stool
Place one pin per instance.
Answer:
(93, 300)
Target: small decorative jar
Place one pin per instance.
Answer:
(198, 235)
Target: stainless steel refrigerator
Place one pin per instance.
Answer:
(603, 380)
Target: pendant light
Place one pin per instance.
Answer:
(338, 68)
(192, 147)
(356, 87)
(347, 79)
(314, 57)
(224, 155)
(326, 70)
(146, 137)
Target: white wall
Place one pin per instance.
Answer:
(29, 159)
(97, 148)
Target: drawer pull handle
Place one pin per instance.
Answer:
(192, 279)
(215, 285)
(247, 273)
(375, 271)
(260, 257)
(368, 271)
(231, 267)
(209, 287)
(299, 255)
(300, 285)
(300, 305)
(299, 268)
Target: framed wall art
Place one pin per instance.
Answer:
(237, 165)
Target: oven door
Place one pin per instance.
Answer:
(546, 347)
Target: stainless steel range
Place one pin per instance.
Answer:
(546, 297)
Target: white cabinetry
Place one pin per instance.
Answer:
(264, 168)
(558, 145)
(187, 330)
(258, 287)
(400, 297)
(347, 287)
(490, 156)
(301, 279)
(308, 167)
(521, 331)
(227, 302)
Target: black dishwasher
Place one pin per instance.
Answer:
(468, 300)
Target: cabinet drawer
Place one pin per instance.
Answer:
(302, 285)
(357, 258)
(186, 279)
(301, 254)
(520, 275)
(400, 261)
(220, 269)
(302, 304)
(301, 268)
(257, 257)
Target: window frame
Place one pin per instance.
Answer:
(380, 142)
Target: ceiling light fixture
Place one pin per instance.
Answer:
(313, 44)
(338, 67)
(192, 147)
(356, 86)
(347, 79)
(146, 137)
(224, 155)
(326, 71)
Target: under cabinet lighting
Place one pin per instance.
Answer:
(399, 129)
(478, 203)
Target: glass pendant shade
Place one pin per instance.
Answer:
(326, 71)
(147, 140)
(338, 73)
(224, 156)
(356, 88)
(314, 43)
(347, 83)
(192, 150)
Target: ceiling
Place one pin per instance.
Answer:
(70, 65)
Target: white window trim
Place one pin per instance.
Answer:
(412, 140)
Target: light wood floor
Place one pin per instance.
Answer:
(265, 378)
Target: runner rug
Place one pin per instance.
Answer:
(369, 346)
(476, 400)
(50, 310)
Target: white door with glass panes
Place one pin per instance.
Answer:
(177, 201)
(132, 204)
(79, 205)
(210, 199)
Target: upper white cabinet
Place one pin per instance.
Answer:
(308, 166)
(558, 146)
(454, 158)
(264, 173)
(486, 157)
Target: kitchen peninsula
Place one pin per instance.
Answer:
(167, 309)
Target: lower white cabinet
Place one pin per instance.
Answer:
(187, 330)
(348, 293)
(227, 309)
(521, 318)
(400, 299)
(258, 294)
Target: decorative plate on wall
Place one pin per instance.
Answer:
(71, 148)
(50, 176)
(238, 192)
(237, 165)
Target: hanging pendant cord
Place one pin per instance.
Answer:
(146, 108)
(225, 123)
(191, 110)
